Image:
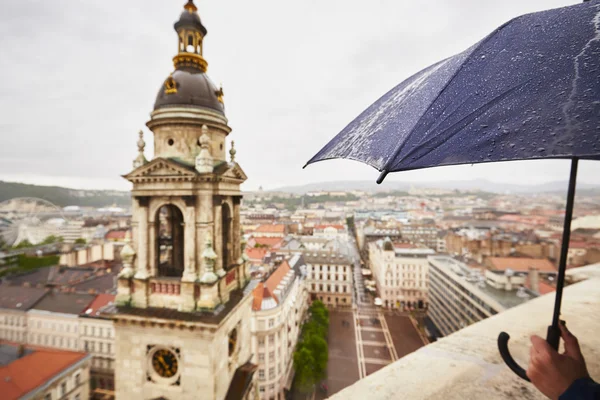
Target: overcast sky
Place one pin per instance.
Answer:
(79, 79)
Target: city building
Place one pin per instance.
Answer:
(14, 303)
(422, 234)
(39, 373)
(270, 231)
(329, 277)
(460, 296)
(279, 307)
(182, 314)
(97, 337)
(400, 271)
(54, 320)
(330, 231)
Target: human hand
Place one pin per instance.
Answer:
(552, 373)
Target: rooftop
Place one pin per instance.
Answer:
(37, 367)
(473, 280)
(521, 264)
(65, 303)
(467, 365)
(19, 298)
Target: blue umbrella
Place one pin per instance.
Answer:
(529, 90)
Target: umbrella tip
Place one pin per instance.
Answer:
(382, 176)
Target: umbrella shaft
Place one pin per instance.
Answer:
(560, 282)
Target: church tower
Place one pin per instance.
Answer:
(182, 315)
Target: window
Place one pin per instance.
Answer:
(271, 356)
(77, 379)
(261, 374)
(261, 341)
(77, 397)
(271, 372)
(261, 357)
(271, 322)
(63, 389)
(48, 396)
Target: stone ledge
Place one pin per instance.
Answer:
(467, 365)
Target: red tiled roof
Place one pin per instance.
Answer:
(404, 246)
(276, 277)
(256, 253)
(32, 370)
(258, 296)
(100, 301)
(336, 226)
(270, 228)
(266, 289)
(267, 241)
(521, 264)
(115, 235)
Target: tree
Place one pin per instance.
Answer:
(23, 244)
(52, 239)
(319, 351)
(80, 241)
(304, 365)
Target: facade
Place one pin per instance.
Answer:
(278, 309)
(58, 374)
(182, 314)
(331, 231)
(460, 296)
(421, 234)
(14, 303)
(400, 272)
(329, 277)
(97, 337)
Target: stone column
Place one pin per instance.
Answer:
(204, 227)
(190, 273)
(142, 238)
(218, 233)
(237, 252)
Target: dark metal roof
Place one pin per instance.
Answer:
(169, 314)
(66, 303)
(242, 379)
(194, 89)
(189, 19)
(19, 298)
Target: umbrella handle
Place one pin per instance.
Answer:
(508, 359)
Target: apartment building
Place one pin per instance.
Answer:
(400, 271)
(460, 296)
(329, 277)
(14, 303)
(278, 308)
(38, 373)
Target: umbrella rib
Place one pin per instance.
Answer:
(385, 169)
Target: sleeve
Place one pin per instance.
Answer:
(582, 389)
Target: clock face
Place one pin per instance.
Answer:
(164, 363)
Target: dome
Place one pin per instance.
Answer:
(190, 20)
(194, 89)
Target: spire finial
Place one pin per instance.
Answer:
(140, 159)
(232, 151)
(219, 93)
(190, 6)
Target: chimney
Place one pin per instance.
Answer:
(534, 279)
(20, 351)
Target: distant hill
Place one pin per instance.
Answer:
(473, 185)
(65, 197)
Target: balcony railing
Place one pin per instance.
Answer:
(467, 365)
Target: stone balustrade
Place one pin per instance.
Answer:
(467, 365)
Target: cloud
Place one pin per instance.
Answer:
(80, 79)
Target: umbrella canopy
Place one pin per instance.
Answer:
(529, 90)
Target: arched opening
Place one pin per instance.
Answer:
(226, 230)
(190, 44)
(169, 251)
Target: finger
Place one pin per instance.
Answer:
(543, 350)
(571, 342)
